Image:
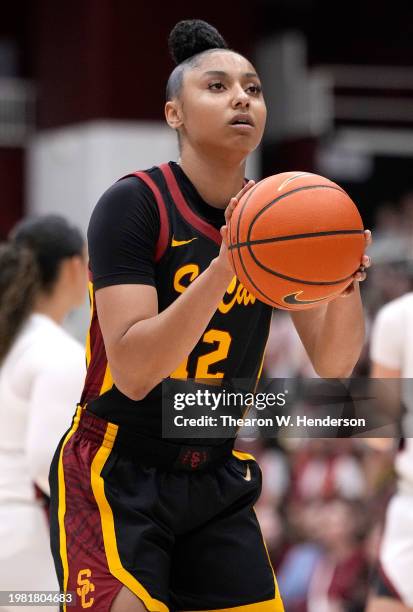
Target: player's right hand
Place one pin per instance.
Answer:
(223, 258)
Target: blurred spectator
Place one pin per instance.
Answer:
(339, 581)
(388, 221)
(327, 572)
(324, 468)
(285, 356)
(299, 562)
(406, 206)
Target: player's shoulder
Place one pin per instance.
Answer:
(42, 344)
(130, 188)
(60, 357)
(128, 198)
(47, 337)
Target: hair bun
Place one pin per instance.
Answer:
(193, 36)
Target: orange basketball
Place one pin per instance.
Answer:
(295, 240)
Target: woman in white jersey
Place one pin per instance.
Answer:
(43, 275)
(391, 354)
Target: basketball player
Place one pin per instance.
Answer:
(138, 522)
(392, 357)
(43, 275)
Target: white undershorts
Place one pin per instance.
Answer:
(26, 562)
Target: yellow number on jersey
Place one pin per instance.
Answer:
(221, 352)
(223, 339)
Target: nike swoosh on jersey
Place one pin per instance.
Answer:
(291, 298)
(247, 476)
(176, 243)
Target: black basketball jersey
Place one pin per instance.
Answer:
(233, 343)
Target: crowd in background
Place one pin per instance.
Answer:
(324, 500)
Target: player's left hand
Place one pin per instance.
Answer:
(223, 253)
(361, 274)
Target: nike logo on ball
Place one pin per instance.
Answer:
(176, 243)
(292, 299)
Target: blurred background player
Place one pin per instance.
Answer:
(391, 354)
(43, 276)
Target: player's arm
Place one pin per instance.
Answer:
(333, 334)
(144, 346)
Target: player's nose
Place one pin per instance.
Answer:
(240, 98)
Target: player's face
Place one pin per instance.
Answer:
(222, 104)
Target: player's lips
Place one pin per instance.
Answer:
(242, 120)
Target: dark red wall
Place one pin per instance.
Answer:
(109, 58)
(12, 188)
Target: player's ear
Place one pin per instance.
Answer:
(173, 114)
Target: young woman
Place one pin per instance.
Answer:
(43, 275)
(138, 522)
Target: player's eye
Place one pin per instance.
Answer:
(255, 89)
(217, 86)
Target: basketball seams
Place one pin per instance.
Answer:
(239, 252)
(285, 195)
(296, 237)
(297, 280)
(249, 194)
(254, 285)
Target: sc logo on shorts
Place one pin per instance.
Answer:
(85, 587)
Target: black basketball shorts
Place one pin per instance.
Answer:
(180, 539)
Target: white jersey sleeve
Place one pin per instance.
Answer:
(392, 347)
(55, 392)
(387, 339)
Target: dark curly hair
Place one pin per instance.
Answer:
(187, 41)
(30, 262)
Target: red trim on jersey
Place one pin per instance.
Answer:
(186, 211)
(98, 361)
(163, 238)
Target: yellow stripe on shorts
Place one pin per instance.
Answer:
(108, 525)
(62, 503)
